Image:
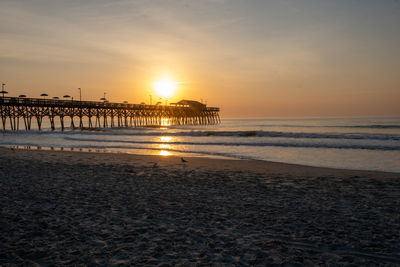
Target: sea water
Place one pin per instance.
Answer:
(349, 143)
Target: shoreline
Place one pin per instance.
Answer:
(61, 207)
(176, 158)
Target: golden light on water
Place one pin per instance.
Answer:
(165, 153)
(164, 147)
(165, 87)
(165, 138)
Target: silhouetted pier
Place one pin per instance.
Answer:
(102, 114)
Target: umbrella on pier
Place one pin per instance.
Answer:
(125, 102)
(22, 96)
(56, 98)
(3, 92)
(67, 96)
(44, 95)
(104, 99)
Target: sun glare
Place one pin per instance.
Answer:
(165, 153)
(165, 87)
(165, 138)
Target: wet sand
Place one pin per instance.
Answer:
(93, 208)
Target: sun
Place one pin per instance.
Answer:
(165, 87)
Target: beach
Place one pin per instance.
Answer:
(69, 208)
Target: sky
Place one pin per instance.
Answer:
(251, 58)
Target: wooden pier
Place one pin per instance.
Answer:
(102, 114)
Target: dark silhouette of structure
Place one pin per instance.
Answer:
(103, 114)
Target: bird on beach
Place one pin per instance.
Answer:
(183, 160)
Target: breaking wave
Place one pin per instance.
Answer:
(271, 134)
(254, 144)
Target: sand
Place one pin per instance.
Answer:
(72, 208)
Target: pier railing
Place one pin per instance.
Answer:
(100, 114)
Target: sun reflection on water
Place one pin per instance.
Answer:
(164, 146)
(165, 153)
(165, 138)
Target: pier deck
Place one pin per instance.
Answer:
(100, 114)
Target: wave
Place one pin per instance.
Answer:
(376, 126)
(254, 144)
(372, 126)
(287, 135)
(255, 133)
(106, 148)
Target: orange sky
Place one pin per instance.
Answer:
(251, 58)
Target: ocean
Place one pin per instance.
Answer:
(347, 143)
